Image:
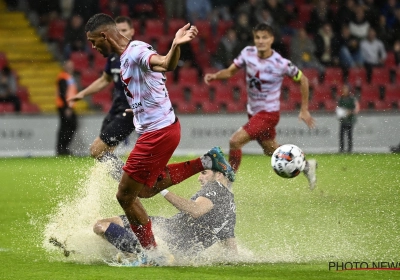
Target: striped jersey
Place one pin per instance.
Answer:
(264, 78)
(145, 89)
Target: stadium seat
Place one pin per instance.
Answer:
(357, 76)
(6, 108)
(170, 78)
(56, 30)
(23, 93)
(188, 76)
(137, 26)
(287, 106)
(295, 94)
(223, 26)
(392, 96)
(80, 60)
(369, 96)
(200, 94)
(174, 24)
(176, 93)
(305, 12)
(99, 61)
(3, 60)
(390, 61)
(163, 44)
(204, 28)
(154, 28)
(29, 108)
(312, 75)
(333, 76)
(322, 94)
(380, 76)
(88, 76)
(211, 107)
(203, 59)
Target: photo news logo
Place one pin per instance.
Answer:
(341, 266)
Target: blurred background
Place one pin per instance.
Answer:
(328, 40)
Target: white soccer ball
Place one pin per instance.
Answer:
(288, 161)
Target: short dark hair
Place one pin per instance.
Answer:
(98, 20)
(121, 19)
(264, 27)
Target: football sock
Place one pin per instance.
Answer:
(145, 235)
(183, 170)
(235, 157)
(306, 168)
(116, 165)
(121, 238)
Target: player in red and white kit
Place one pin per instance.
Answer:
(265, 70)
(142, 73)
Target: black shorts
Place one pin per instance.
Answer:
(116, 127)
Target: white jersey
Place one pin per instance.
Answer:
(145, 89)
(264, 78)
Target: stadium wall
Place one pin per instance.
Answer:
(23, 136)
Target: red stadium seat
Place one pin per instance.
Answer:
(204, 28)
(80, 60)
(322, 94)
(333, 76)
(173, 26)
(312, 75)
(203, 59)
(163, 44)
(223, 26)
(170, 78)
(23, 94)
(89, 76)
(6, 108)
(200, 94)
(3, 60)
(390, 61)
(29, 108)
(188, 76)
(357, 76)
(239, 107)
(380, 76)
(176, 93)
(287, 106)
(154, 28)
(137, 26)
(99, 61)
(56, 30)
(305, 12)
(392, 96)
(369, 96)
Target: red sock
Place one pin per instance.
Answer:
(235, 157)
(183, 170)
(145, 235)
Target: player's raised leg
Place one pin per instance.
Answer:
(236, 143)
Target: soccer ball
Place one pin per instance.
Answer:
(288, 161)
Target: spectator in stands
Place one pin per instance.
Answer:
(198, 10)
(349, 53)
(373, 52)
(85, 8)
(66, 88)
(396, 51)
(382, 33)
(395, 30)
(345, 14)
(75, 37)
(359, 25)
(221, 9)
(175, 8)
(348, 108)
(327, 46)
(302, 50)
(228, 48)
(243, 28)
(8, 88)
(278, 11)
(265, 16)
(388, 11)
(66, 8)
(112, 8)
(319, 15)
(141, 9)
(250, 8)
(372, 12)
(186, 60)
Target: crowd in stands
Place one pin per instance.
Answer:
(334, 42)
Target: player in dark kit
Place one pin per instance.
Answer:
(117, 125)
(208, 217)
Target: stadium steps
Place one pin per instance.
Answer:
(30, 58)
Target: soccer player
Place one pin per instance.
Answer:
(154, 118)
(265, 70)
(205, 219)
(118, 124)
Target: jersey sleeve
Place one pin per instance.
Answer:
(141, 54)
(292, 71)
(240, 61)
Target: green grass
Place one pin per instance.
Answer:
(291, 232)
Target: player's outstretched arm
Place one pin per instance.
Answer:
(195, 208)
(222, 74)
(170, 61)
(304, 114)
(99, 84)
